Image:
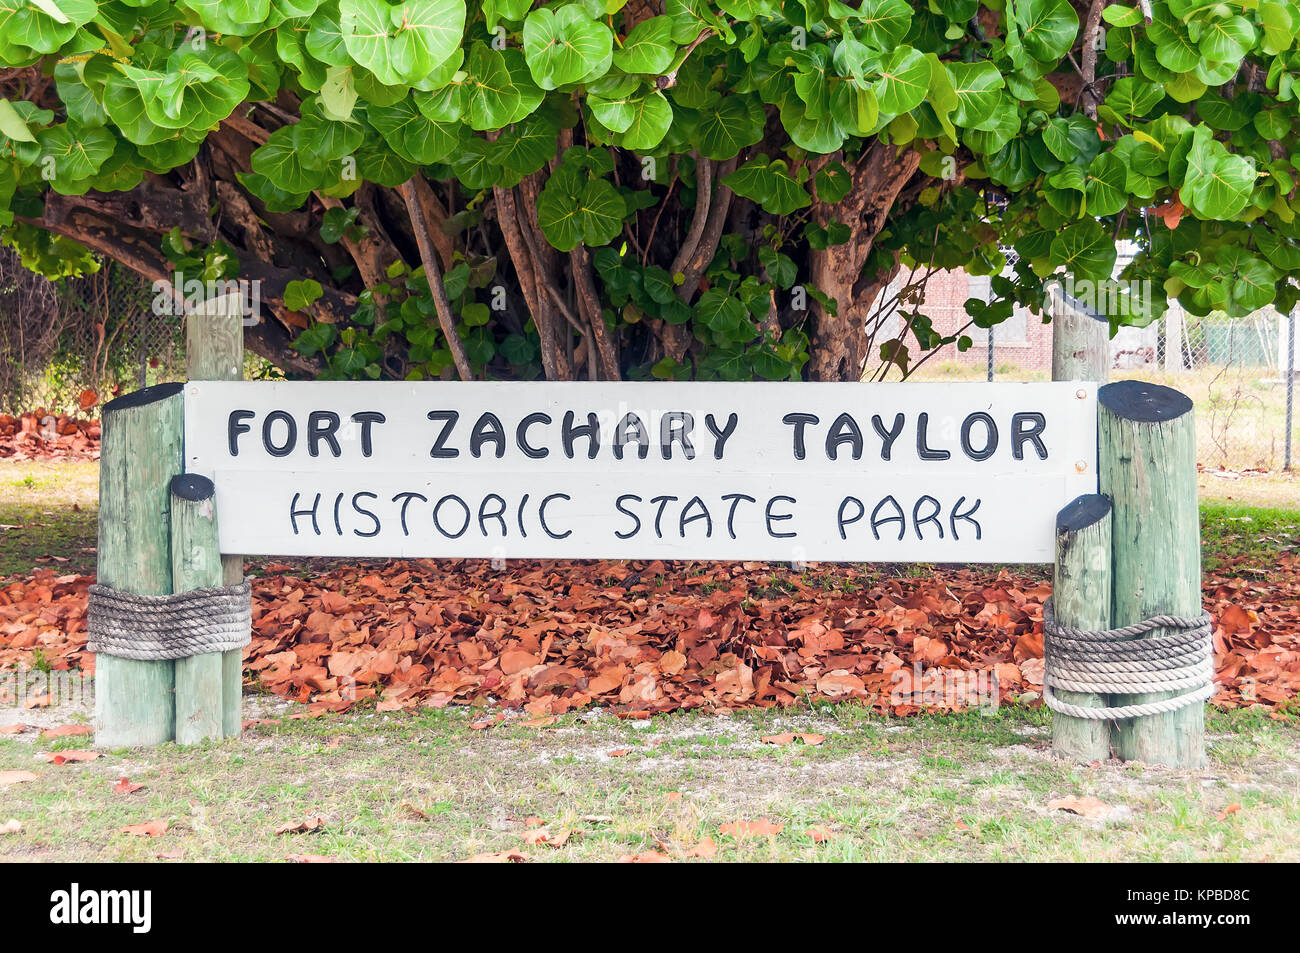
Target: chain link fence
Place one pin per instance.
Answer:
(98, 333)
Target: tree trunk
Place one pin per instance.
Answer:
(839, 340)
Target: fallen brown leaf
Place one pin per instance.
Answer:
(63, 731)
(15, 777)
(67, 757)
(307, 826)
(147, 829)
(760, 828)
(125, 786)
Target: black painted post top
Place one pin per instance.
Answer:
(146, 395)
(1082, 512)
(192, 487)
(1143, 402)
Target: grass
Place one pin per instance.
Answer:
(426, 787)
(47, 516)
(1229, 530)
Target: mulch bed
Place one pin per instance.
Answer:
(639, 638)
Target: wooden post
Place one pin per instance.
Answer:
(1081, 596)
(1147, 437)
(1080, 344)
(196, 564)
(140, 453)
(214, 351)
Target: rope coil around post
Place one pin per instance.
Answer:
(154, 628)
(1120, 662)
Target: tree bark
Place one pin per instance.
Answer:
(839, 340)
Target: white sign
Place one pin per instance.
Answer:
(782, 471)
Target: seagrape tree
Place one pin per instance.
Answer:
(611, 189)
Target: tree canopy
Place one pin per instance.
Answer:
(651, 188)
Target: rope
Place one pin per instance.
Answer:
(1121, 662)
(152, 628)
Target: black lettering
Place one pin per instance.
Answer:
(627, 427)
(990, 438)
(448, 420)
(541, 513)
(676, 427)
(618, 505)
(290, 438)
(323, 425)
(839, 516)
(338, 527)
(663, 501)
(1034, 434)
(569, 433)
(800, 421)
(519, 516)
(735, 499)
(236, 426)
(932, 517)
(365, 512)
(367, 418)
(498, 514)
(923, 450)
(777, 517)
(487, 428)
(294, 513)
(406, 499)
(521, 435)
(900, 519)
(844, 430)
(887, 437)
(956, 515)
(437, 507)
(720, 436)
(703, 514)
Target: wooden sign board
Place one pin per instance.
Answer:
(959, 472)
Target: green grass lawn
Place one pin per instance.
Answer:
(426, 786)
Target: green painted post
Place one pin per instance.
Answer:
(1081, 596)
(196, 564)
(1147, 438)
(140, 453)
(214, 351)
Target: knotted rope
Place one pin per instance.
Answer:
(152, 628)
(1120, 662)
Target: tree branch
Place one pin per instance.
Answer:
(433, 275)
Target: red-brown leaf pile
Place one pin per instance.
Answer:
(39, 435)
(554, 636)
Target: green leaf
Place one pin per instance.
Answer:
(649, 48)
(651, 117)
(978, 87)
(299, 295)
(338, 94)
(12, 125)
(1227, 39)
(1217, 184)
(411, 134)
(770, 185)
(885, 22)
(904, 79)
(566, 46)
(736, 123)
(1047, 28)
(404, 42)
(1085, 249)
